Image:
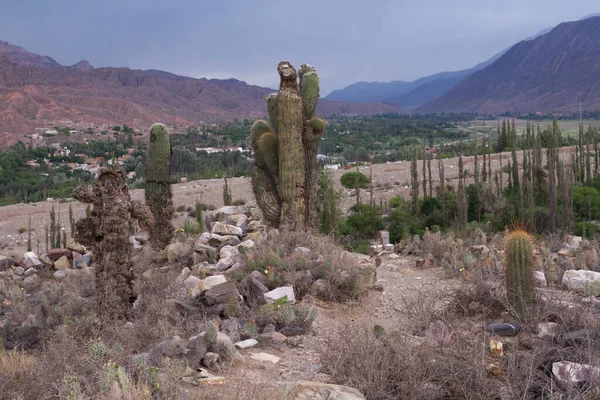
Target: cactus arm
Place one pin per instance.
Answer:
(141, 212)
(309, 90)
(267, 197)
(86, 193)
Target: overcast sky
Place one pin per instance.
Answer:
(346, 40)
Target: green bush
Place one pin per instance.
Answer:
(396, 202)
(349, 179)
(402, 224)
(365, 219)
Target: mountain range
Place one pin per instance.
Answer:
(38, 92)
(483, 88)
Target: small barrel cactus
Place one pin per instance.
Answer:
(96, 349)
(518, 252)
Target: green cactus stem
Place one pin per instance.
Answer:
(159, 196)
(518, 250)
(268, 149)
(309, 90)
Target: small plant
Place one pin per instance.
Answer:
(379, 331)
(227, 198)
(238, 202)
(211, 333)
(180, 208)
(70, 389)
(96, 349)
(107, 376)
(518, 250)
(232, 308)
(22, 230)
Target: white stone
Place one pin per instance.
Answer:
(208, 283)
(183, 275)
(247, 244)
(191, 282)
(547, 330)
(224, 229)
(31, 260)
(575, 242)
(227, 251)
(539, 279)
(60, 274)
(579, 279)
(276, 294)
(302, 251)
(246, 344)
(19, 271)
(265, 357)
(227, 210)
(388, 247)
(570, 373)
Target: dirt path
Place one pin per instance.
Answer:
(402, 286)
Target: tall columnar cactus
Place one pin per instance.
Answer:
(158, 186)
(518, 251)
(285, 174)
(106, 230)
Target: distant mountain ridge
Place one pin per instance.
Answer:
(37, 92)
(411, 95)
(553, 72)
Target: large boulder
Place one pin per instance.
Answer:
(225, 230)
(55, 254)
(178, 251)
(570, 373)
(221, 293)
(208, 283)
(6, 263)
(276, 294)
(305, 390)
(580, 279)
(62, 263)
(30, 259)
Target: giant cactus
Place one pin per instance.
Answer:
(107, 232)
(158, 186)
(518, 251)
(285, 174)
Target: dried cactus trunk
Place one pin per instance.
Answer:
(285, 173)
(518, 250)
(159, 196)
(107, 231)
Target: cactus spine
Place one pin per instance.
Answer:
(158, 186)
(518, 250)
(285, 171)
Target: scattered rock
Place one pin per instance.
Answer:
(208, 283)
(223, 212)
(31, 282)
(196, 350)
(221, 293)
(575, 242)
(30, 259)
(6, 263)
(547, 330)
(178, 251)
(55, 254)
(19, 271)
(306, 390)
(579, 279)
(539, 279)
(265, 357)
(60, 275)
(30, 271)
(247, 244)
(243, 225)
(226, 349)
(211, 360)
(74, 246)
(423, 263)
(62, 263)
(204, 252)
(570, 373)
(191, 282)
(388, 247)
(246, 344)
(173, 347)
(280, 292)
(224, 229)
(302, 251)
(318, 287)
(254, 226)
(375, 249)
(232, 327)
(292, 330)
(574, 337)
(496, 348)
(83, 262)
(503, 329)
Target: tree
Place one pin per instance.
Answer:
(349, 179)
